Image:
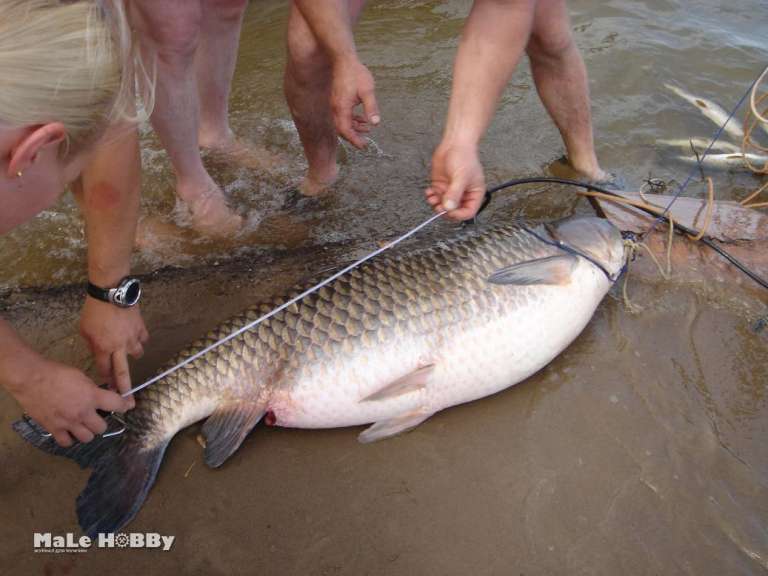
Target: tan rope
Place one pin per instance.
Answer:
(708, 213)
(752, 119)
(645, 205)
(631, 248)
(750, 124)
(655, 261)
(752, 104)
(754, 194)
(622, 200)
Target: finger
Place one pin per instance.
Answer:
(452, 197)
(136, 350)
(143, 336)
(121, 371)
(95, 423)
(363, 128)
(112, 401)
(370, 106)
(81, 433)
(343, 120)
(123, 376)
(352, 137)
(470, 205)
(461, 214)
(433, 199)
(103, 362)
(62, 438)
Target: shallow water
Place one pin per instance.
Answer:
(641, 450)
(631, 50)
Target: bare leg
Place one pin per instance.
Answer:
(215, 63)
(170, 30)
(307, 86)
(561, 80)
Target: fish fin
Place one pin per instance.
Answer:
(411, 382)
(393, 426)
(227, 427)
(118, 486)
(123, 472)
(549, 270)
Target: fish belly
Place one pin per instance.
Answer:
(506, 351)
(470, 361)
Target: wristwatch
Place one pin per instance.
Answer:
(126, 294)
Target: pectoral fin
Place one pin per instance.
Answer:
(227, 427)
(549, 270)
(387, 428)
(411, 382)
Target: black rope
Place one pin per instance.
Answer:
(573, 251)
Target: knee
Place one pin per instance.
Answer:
(174, 35)
(550, 45)
(226, 9)
(307, 62)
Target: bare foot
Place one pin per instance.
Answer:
(212, 217)
(562, 168)
(244, 154)
(316, 185)
(210, 214)
(311, 187)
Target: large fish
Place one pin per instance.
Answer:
(389, 343)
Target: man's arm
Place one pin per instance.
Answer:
(109, 196)
(60, 398)
(493, 40)
(352, 83)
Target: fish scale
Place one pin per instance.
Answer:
(392, 292)
(389, 343)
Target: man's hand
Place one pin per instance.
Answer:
(112, 334)
(64, 401)
(352, 85)
(458, 181)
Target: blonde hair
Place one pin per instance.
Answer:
(67, 61)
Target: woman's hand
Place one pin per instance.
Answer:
(64, 401)
(112, 334)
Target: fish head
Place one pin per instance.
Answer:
(595, 237)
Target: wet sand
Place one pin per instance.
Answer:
(640, 450)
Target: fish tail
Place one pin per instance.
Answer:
(124, 469)
(118, 485)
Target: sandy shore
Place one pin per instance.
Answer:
(617, 458)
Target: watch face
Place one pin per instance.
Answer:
(128, 293)
(132, 292)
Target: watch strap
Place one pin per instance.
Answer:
(98, 292)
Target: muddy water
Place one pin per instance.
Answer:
(641, 450)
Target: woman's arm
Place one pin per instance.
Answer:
(60, 398)
(109, 196)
